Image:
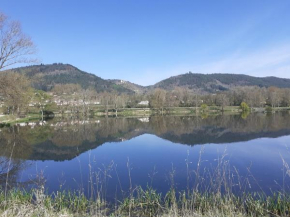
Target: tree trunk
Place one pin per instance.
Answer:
(42, 115)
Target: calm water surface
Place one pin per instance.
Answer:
(161, 152)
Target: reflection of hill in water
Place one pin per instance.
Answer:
(65, 140)
(207, 136)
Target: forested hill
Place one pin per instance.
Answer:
(219, 82)
(44, 77)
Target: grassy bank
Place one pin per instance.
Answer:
(144, 202)
(12, 119)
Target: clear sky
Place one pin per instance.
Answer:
(145, 41)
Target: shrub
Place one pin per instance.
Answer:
(204, 107)
(269, 109)
(244, 106)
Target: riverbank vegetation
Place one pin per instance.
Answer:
(146, 202)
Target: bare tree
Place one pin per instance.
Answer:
(67, 96)
(42, 100)
(286, 97)
(158, 99)
(171, 99)
(274, 96)
(182, 95)
(222, 100)
(14, 92)
(15, 46)
(105, 99)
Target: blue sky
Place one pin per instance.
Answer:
(145, 41)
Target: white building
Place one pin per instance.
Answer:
(146, 102)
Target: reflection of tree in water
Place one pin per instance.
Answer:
(73, 134)
(9, 172)
(15, 146)
(220, 129)
(234, 123)
(66, 139)
(117, 129)
(24, 138)
(174, 124)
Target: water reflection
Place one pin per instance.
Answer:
(65, 139)
(70, 152)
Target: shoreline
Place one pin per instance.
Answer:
(141, 112)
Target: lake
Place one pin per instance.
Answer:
(113, 155)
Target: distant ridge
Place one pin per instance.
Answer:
(44, 77)
(219, 82)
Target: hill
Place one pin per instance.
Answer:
(129, 85)
(219, 82)
(44, 77)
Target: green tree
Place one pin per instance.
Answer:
(244, 107)
(204, 107)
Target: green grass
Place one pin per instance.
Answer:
(143, 202)
(12, 119)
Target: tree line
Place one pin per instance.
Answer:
(255, 97)
(19, 99)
